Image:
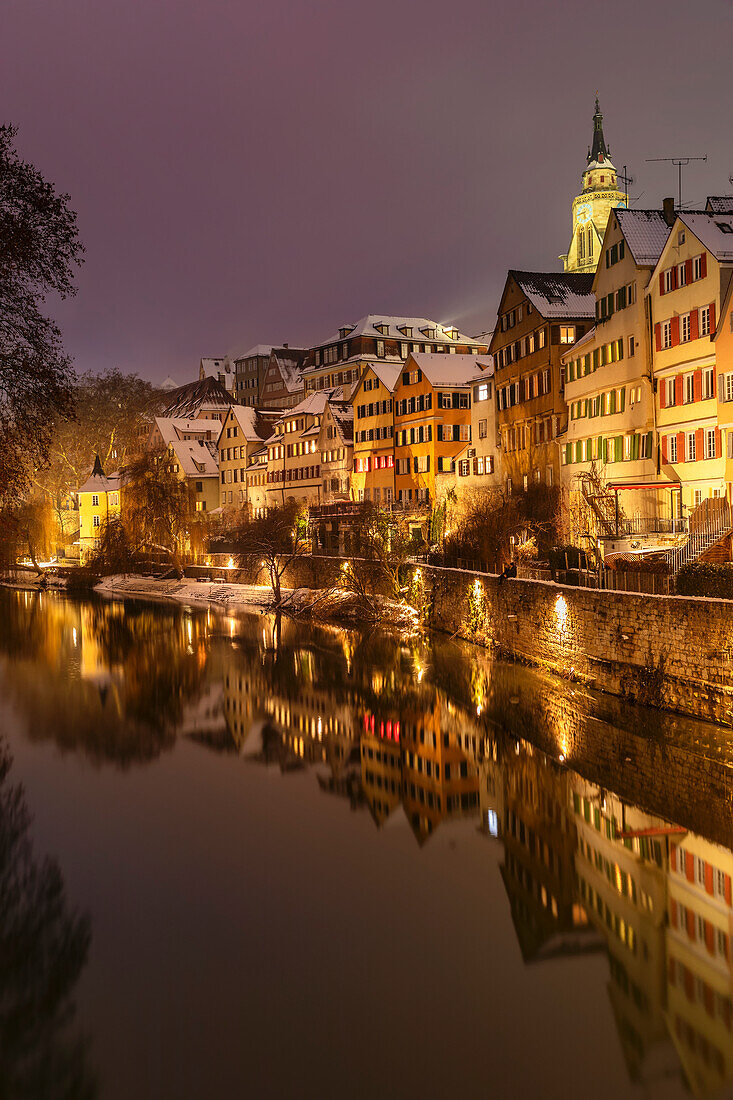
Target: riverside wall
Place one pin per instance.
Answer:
(665, 651)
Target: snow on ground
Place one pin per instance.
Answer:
(206, 593)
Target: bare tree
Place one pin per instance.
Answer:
(156, 510)
(273, 543)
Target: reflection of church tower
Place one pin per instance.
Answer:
(592, 207)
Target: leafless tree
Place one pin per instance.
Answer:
(273, 543)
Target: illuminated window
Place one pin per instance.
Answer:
(567, 334)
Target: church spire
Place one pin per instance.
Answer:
(599, 150)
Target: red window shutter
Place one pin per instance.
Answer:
(727, 890)
(664, 459)
(673, 912)
(689, 861)
(703, 265)
(712, 318)
(697, 385)
(709, 878)
(709, 937)
(689, 980)
(690, 925)
(658, 336)
(662, 392)
(674, 277)
(718, 444)
(678, 389)
(681, 452)
(672, 847)
(675, 331)
(688, 271)
(709, 1001)
(694, 324)
(698, 444)
(661, 282)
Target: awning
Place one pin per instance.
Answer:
(673, 486)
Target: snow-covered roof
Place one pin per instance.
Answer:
(102, 484)
(312, 405)
(169, 384)
(714, 231)
(206, 393)
(558, 294)
(250, 353)
(645, 232)
(196, 457)
(176, 427)
(719, 204)
(444, 369)
(342, 413)
(395, 330)
(289, 362)
(255, 424)
(387, 373)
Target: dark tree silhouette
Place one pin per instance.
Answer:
(43, 949)
(39, 248)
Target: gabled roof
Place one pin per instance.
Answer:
(443, 369)
(387, 373)
(719, 204)
(175, 427)
(645, 232)
(250, 353)
(558, 294)
(367, 327)
(255, 424)
(342, 414)
(714, 231)
(196, 457)
(99, 482)
(288, 361)
(312, 405)
(206, 393)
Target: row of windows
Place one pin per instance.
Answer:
(339, 455)
(423, 403)
(529, 344)
(679, 275)
(699, 930)
(599, 357)
(297, 473)
(615, 301)
(417, 464)
(696, 989)
(368, 435)
(522, 436)
(684, 327)
(478, 466)
(374, 408)
(695, 869)
(377, 462)
(514, 316)
(620, 448)
(616, 924)
(684, 389)
(604, 404)
(524, 389)
(692, 446)
(615, 253)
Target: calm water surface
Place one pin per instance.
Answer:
(243, 859)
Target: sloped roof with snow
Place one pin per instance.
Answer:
(444, 369)
(205, 394)
(719, 204)
(714, 231)
(175, 427)
(342, 413)
(289, 362)
(558, 293)
(196, 457)
(255, 424)
(103, 483)
(250, 353)
(387, 373)
(312, 405)
(367, 327)
(645, 232)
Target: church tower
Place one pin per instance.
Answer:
(592, 207)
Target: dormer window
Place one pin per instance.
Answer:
(344, 331)
(382, 327)
(429, 333)
(406, 330)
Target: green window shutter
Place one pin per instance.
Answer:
(579, 451)
(623, 399)
(568, 453)
(613, 402)
(604, 450)
(621, 348)
(635, 446)
(619, 444)
(621, 244)
(648, 444)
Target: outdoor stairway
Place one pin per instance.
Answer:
(709, 523)
(603, 504)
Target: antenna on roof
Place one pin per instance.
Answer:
(679, 162)
(627, 181)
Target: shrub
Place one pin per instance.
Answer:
(701, 578)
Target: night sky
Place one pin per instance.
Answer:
(266, 172)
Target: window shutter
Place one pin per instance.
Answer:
(721, 388)
(661, 282)
(694, 324)
(619, 447)
(718, 443)
(703, 265)
(712, 318)
(698, 444)
(697, 385)
(664, 448)
(675, 330)
(658, 336)
(613, 401)
(681, 447)
(678, 389)
(623, 399)
(555, 334)
(662, 386)
(688, 271)
(604, 450)
(674, 277)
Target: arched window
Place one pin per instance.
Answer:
(581, 245)
(590, 243)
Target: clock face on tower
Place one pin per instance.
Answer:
(583, 213)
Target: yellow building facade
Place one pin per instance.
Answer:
(100, 500)
(373, 476)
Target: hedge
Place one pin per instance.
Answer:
(706, 579)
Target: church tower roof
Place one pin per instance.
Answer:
(599, 150)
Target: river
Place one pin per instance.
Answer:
(249, 858)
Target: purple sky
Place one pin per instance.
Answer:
(265, 172)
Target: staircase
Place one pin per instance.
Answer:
(709, 523)
(602, 503)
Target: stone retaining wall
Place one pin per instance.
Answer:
(666, 651)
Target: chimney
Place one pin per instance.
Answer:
(286, 345)
(668, 211)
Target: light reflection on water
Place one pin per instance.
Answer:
(610, 825)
